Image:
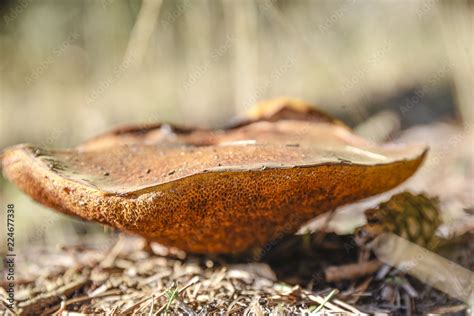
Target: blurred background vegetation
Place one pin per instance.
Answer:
(72, 69)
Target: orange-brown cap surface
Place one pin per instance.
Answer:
(212, 191)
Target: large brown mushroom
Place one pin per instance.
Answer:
(214, 191)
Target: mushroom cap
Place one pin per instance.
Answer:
(213, 191)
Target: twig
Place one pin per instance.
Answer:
(62, 307)
(78, 300)
(346, 306)
(449, 309)
(113, 253)
(140, 302)
(351, 271)
(52, 297)
(359, 290)
(7, 306)
(152, 305)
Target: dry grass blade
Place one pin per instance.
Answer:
(326, 300)
(171, 294)
(320, 300)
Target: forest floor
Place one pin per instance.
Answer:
(313, 272)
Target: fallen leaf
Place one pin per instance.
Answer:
(213, 191)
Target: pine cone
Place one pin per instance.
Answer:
(414, 217)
